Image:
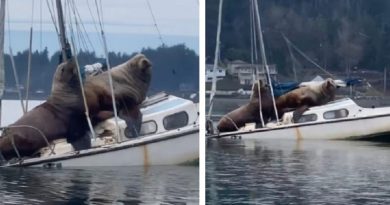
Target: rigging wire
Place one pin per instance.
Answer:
(108, 70)
(293, 60)
(255, 54)
(2, 77)
(83, 30)
(94, 21)
(40, 26)
(81, 41)
(155, 22)
(29, 58)
(264, 59)
(307, 57)
(215, 66)
(13, 62)
(80, 77)
(53, 19)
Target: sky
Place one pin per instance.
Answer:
(128, 24)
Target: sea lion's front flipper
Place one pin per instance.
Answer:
(133, 119)
(297, 114)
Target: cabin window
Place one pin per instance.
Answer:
(307, 118)
(334, 114)
(175, 121)
(148, 127)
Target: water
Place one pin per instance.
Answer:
(297, 172)
(12, 110)
(100, 185)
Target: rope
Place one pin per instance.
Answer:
(15, 148)
(231, 120)
(34, 128)
(155, 22)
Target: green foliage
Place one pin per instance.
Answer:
(172, 66)
(336, 34)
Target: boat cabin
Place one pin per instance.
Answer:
(344, 108)
(161, 113)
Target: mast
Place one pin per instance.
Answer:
(215, 66)
(2, 19)
(61, 24)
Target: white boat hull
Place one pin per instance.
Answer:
(337, 129)
(172, 148)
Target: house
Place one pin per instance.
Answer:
(220, 74)
(244, 71)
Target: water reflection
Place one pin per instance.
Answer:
(297, 172)
(125, 185)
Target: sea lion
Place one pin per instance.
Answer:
(250, 111)
(51, 119)
(307, 96)
(299, 100)
(131, 82)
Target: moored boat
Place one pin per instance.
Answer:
(169, 136)
(340, 119)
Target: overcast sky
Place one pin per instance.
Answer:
(128, 24)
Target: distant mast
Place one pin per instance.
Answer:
(2, 19)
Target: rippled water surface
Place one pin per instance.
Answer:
(114, 185)
(297, 172)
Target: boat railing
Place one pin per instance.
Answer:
(20, 159)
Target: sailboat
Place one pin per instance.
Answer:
(168, 136)
(340, 119)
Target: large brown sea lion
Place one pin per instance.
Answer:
(299, 100)
(250, 111)
(131, 82)
(307, 96)
(62, 115)
(51, 119)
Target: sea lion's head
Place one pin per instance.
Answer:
(66, 86)
(66, 72)
(140, 67)
(131, 79)
(329, 86)
(264, 90)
